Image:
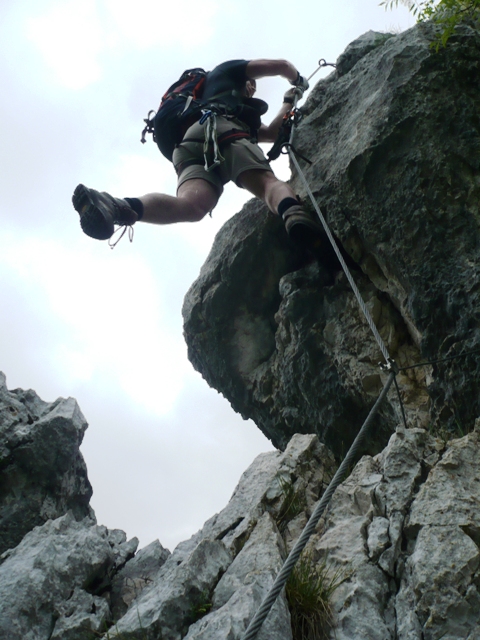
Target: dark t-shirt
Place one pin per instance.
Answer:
(228, 80)
(225, 84)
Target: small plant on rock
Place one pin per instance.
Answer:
(447, 14)
(293, 503)
(309, 590)
(202, 606)
(141, 634)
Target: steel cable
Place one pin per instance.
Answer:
(290, 562)
(360, 300)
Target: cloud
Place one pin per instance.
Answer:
(79, 38)
(70, 38)
(110, 315)
(145, 23)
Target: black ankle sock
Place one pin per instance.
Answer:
(137, 206)
(285, 204)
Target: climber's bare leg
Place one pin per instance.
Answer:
(195, 198)
(266, 186)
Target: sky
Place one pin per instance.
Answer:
(164, 451)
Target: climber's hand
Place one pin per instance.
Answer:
(289, 96)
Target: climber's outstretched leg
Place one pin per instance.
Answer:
(100, 212)
(195, 198)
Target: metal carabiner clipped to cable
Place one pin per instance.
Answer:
(322, 63)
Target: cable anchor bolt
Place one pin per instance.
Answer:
(323, 63)
(389, 366)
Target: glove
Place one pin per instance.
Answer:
(301, 82)
(288, 96)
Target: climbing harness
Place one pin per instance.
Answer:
(213, 144)
(211, 140)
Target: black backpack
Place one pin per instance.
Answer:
(179, 109)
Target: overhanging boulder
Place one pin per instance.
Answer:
(394, 139)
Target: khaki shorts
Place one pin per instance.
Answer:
(240, 155)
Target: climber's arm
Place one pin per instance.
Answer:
(269, 133)
(264, 68)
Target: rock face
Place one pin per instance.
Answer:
(212, 584)
(43, 474)
(405, 529)
(49, 582)
(394, 140)
(402, 533)
(72, 579)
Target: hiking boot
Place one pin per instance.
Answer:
(100, 212)
(304, 228)
(306, 231)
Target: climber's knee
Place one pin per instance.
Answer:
(199, 197)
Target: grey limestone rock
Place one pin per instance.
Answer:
(242, 588)
(43, 474)
(404, 533)
(211, 585)
(451, 492)
(394, 140)
(359, 48)
(168, 606)
(135, 576)
(83, 616)
(50, 582)
(378, 539)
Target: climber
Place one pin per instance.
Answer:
(228, 91)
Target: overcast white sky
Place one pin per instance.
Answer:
(164, 451)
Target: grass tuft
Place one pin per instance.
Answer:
(309, 590)
(293, 503)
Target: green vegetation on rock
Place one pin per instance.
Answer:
(446, 13)
(309, 591)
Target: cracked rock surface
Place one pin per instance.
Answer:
(211, 585)
(71, 579)
(43, 474)
(50, 583)
(404, 529)
(402, 532)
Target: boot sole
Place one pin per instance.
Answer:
(94, 220)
